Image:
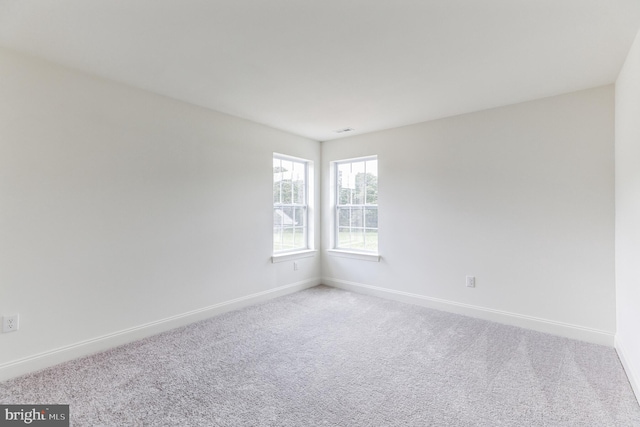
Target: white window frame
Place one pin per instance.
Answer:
(336, 250)
(304, 250)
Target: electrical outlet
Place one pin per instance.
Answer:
(471, 282)
(10, 323)
(295, 265)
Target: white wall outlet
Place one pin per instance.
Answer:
(10, 323)
(471, 282)
(295, 265)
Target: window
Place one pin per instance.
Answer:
(356, 215)
(290, 204)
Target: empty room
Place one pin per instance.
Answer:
(305, 213)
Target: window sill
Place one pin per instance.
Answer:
(288, 256)
(363, 256)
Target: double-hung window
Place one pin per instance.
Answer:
(356, 212)
(290, 204)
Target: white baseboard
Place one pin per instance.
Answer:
(53, 357)
(538, 324)
(632, 371)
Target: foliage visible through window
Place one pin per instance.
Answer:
(357, 205)
(289, 204)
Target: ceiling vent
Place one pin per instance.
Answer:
(344, 130)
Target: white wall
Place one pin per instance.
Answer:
(628, 214)
(522, 197)
(123, 213)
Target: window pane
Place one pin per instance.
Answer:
(277, 238)
(288, 216)
(372, 167)
(286, 236)
(345, 196)
(277, 177)
(343, 217)
(287, 239)
(287, 170)
(346, 183)
(357, 219)
(371, 217)
(299, 217)
(344, 237)
(351, 238)
(371, 240)
(357, 168)
(278, 216)
(372, 182)
(357, 239)
(298, 238)
(298, 180)
(294, 238)
(358, 193)
(276, 192)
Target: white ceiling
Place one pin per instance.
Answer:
(312, 67)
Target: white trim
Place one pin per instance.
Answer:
(577, 332)
(288, 256)
(632, 373)
(83, 348)
(288, 157)
(354, 255)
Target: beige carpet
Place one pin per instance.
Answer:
(325, 357)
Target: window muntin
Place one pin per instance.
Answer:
(356, 214)
(290, 205)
